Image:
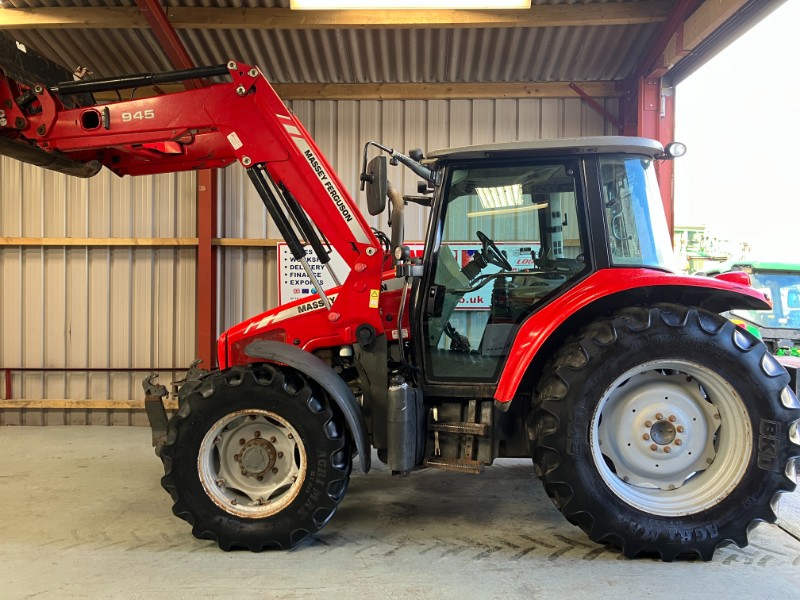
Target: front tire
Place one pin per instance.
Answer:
(665, 431)
(255, 458)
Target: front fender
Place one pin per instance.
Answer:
(316, 369)
(608, 290)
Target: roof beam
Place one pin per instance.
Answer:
(698, 26)
(667, 30)
(560, 15)
(707, 19)
(439, 91)
(411, 91)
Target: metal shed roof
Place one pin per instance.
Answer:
(605, 43)
(363, 54)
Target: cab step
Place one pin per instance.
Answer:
(479, 429)
(457, 465)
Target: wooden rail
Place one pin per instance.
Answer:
(133, 242)
(59, 404)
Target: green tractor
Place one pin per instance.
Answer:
(780, 327)
(780, 282)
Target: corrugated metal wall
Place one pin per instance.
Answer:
(92, 307)
(81, 307)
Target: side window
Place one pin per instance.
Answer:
(511, 238)
(635, 220)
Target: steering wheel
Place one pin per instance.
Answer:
(492, 253)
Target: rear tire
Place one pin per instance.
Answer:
(255, 458)
(665, 431)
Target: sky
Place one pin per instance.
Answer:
(739, 116)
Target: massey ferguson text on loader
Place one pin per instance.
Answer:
(544, 320)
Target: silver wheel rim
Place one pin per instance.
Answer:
(671, 438)
(252, 463)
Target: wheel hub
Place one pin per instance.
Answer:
(256, 457)
(658, 430)
(663, 433)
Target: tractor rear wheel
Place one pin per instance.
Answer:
(255, 458)
(665, 432)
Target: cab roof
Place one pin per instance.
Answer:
(584, 145)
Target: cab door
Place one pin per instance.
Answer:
(508, 237)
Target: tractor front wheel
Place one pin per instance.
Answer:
(665, 432)
(256, 458)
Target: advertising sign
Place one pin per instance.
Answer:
(294, 283)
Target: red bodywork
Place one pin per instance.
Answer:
(541, 325)
(306, 323)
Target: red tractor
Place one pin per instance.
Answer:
(543, 320)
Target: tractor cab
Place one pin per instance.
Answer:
(515, 226)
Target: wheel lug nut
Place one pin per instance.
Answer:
(273, 439)
(653, 447)
(646, 437)
(260, 477)
(672, 418)
(241, 441)
(648, 423)
(275, 470)
(679, 429)
(244, 471)
(236, 457)
(257, 434)
(678, 442)
(659, 416)
(280, 454)
(667, 449)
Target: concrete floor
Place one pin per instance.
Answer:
(83, 516)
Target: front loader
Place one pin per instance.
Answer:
(544, 319)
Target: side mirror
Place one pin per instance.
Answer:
(376, 185)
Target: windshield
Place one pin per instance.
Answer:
(783, 289)
(635, 220)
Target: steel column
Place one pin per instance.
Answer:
(206, 305)
(647, 109)
(654, 114)
(206, 267)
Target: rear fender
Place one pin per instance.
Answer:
(314, 368)
(602, 293)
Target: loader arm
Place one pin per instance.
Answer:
(242, 120)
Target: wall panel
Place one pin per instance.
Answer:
(79, 307)
(120, 307)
